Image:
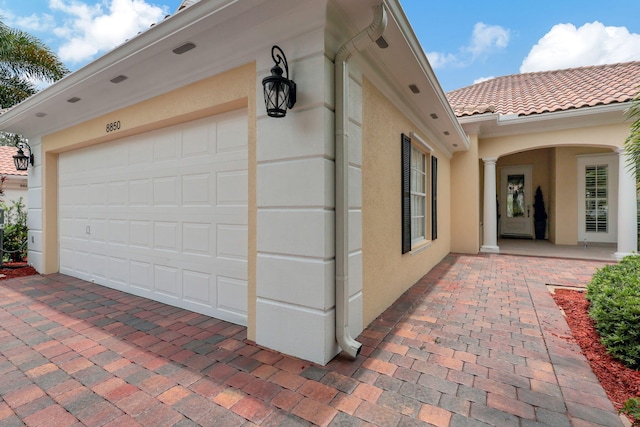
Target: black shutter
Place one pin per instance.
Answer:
(406, 194)
(434, 198)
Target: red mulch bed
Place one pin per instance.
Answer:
(13, 270)
(619, 382)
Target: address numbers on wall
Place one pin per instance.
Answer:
(113, 126)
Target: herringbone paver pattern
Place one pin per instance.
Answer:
(477, 342)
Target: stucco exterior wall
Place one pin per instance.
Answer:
(565, 201)
(600, 136)
(225, 92)
(387, 273)
(14, 189)
(465, 200)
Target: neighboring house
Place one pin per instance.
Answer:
(158, 172)
(15, 184)
(563, 131)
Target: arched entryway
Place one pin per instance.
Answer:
(588, 191)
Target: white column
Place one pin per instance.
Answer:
(627, 208)
(490, 217)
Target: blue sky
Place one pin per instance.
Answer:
(465, 41)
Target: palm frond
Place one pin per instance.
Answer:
(22, 54)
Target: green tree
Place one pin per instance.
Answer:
(24, 60)
(632, 148)
(15, 231)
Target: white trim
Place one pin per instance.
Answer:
(421, 141)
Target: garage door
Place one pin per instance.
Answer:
(162, 215)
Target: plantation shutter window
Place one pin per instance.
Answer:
(596, 199)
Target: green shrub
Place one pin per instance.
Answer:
(632, 408)
(614, 294)
(15, 231)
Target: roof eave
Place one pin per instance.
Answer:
(494, 124)
(506, 119)
(172, 25)
(421, 58)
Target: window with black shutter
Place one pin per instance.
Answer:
(415, 189)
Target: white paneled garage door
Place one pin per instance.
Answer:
(162, 215)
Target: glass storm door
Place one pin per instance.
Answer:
(515, 201)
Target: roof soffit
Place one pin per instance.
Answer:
(404, 63)
(151, 67)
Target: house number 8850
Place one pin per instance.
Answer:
(113, 126)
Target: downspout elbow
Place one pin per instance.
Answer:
(373, 33)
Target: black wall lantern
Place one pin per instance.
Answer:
(279, 92)
(20, 160)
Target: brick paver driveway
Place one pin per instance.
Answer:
(478, 341)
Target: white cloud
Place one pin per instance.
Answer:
(483, 79)
(40, 23)
(92, 29)
(485, 39)
(439, 60)
(566, 46)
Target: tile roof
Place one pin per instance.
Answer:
(7, 166)
(549, 91)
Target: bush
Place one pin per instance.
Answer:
(614, 294)
(632, 408)
(15, 231)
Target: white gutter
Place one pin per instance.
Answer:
(508, 119)
(370, 34)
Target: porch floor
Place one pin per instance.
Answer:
(544, 248)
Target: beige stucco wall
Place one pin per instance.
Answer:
(225, 92)
(602, 136)
(565, 201)
(387, 273)
(466, 200)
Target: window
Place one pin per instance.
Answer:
(418, 194)
(596, 199)
(415, 194)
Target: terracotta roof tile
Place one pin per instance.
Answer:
(7, 167)
(549, 91)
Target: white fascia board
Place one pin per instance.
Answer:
(411, 39)
(175, 23)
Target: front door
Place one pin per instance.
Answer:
(515, 201)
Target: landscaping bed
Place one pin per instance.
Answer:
(13, 270)
(619, 381)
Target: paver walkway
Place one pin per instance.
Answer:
(478, 341)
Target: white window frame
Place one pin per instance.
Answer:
(419, 204)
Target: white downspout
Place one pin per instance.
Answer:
(370, 34)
